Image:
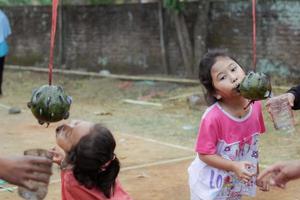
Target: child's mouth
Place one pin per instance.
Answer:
(237, 88)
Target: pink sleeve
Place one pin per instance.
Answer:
(260, 117)
(207, 137)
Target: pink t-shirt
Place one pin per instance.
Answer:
(217, 125)
(232, 138)
(72, 190)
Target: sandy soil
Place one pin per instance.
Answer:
(154, 143)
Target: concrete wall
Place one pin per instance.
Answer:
(118, 38)
(125, 38)
(278, 33)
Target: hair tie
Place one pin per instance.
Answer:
(105, 165)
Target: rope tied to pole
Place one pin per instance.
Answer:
(50, 103)
(52, 38)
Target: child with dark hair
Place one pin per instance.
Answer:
(89, 164)
(226, 164)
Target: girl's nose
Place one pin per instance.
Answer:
(234, 79)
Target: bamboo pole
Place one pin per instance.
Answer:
(118, 76)
(114, 76)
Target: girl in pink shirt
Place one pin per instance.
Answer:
(89, 164)
(227, 145)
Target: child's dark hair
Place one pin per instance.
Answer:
(205, 66)
(94, 162)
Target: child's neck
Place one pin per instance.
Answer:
(235, 107)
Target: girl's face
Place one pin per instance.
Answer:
(226, 76)
(69, 134)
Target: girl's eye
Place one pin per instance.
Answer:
(233, 69)
(222, 78)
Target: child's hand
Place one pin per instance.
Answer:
(241, 170)
(58, 155)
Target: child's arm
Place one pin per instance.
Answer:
(239, 168)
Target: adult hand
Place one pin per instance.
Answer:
(289, 96)
(281, 173)
(263, 183)
(18, 170)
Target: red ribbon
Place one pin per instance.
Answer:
(52, 37)
(254, 33)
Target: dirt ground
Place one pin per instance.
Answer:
(154, 143)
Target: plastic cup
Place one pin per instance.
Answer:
(41, 188)
(282, 114)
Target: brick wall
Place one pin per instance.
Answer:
(278, 31)
(125, 38)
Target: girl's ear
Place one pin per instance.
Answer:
(217, 96)
(71, 157)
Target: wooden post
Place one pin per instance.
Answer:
(162, 37)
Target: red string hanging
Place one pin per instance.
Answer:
(52, 38)
(254, 34)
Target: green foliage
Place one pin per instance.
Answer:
(174, 5)
(46, 2)
(97, 2)
(49, 2)
(15, 2)
(25, 2)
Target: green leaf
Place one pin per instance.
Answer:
(174, 5)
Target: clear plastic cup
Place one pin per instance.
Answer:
(41, 188)
(282, 114)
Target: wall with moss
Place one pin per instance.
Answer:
(278, 33)
(125, 38)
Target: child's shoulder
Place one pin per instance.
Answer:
(69, 179)
(212, 111)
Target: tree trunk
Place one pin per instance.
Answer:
(162, 37)
(184, 42)
(200, 33)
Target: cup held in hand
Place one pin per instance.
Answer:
(282, 114)
(40, 189)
